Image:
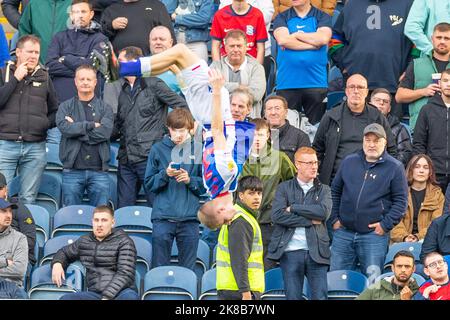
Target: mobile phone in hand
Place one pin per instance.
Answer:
(175, 166)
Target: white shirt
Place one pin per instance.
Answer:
(298, 240)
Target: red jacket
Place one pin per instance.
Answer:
(442, 294)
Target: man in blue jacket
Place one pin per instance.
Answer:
(177, 182)
(370, 197)
(71, 48)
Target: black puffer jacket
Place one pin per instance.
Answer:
(141, 120)
(110, 264)
(28, 107)
(402, 138)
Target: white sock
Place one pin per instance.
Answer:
(146, 66)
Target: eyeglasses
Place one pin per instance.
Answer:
(379, 100)
(359, 88)
(435, 264)
(309, 163)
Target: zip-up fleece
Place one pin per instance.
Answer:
(13, 246)
(364, 193)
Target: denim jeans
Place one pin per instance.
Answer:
(349, 247)
(186, 234)
(54, 135)
(75, 182)
(295, 265)
(30, 159)
(130, 178)
(10, 290)
(125, 294)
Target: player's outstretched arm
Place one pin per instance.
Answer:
(217, 81)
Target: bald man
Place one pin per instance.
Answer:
(341, 129)
(160, 39)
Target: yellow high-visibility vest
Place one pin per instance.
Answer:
(225, 278)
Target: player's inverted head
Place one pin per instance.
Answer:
(217, 212)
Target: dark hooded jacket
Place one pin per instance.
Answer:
(75, 45)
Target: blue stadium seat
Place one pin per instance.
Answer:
(419, 279)
(53, 245)
(413, 247)
(141, 199)
(202, 262)
(49, 194)
(208, 287)
(214, 257)
(144, 255)
(73, 220)
(334, 98)
(42, 221)
(42, 287)
(345, 284)
(135, 220)
(170, 283)
(334, 74)
(53, 161)
(274, 286)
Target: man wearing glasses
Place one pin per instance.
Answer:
(370, 196)
(438, 288)
(340, 132)
(381, 99)
(300, 239)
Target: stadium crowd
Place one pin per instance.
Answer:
(350, 157)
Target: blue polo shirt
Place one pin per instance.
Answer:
(302, 68)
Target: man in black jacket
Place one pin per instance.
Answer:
(27, 109)
(140, 122)
(109, 256)
(431, 134)
(86, 124)
(129, 22)
(381, 99)
(437, 238)
(340, 132)
(22, 220)
(300, 239)
(285, 137)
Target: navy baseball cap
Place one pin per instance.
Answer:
(5, 204)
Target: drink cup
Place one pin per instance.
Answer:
(435, 77)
